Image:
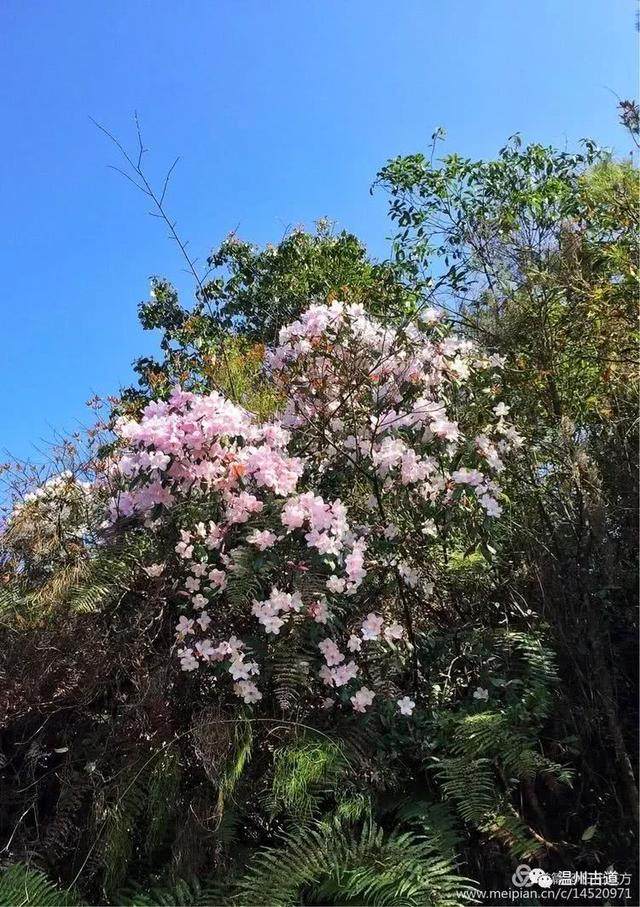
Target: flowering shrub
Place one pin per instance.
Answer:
(50, 522)
(390, 443)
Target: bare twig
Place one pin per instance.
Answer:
(142, 184)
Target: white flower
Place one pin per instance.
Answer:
(154, 569)
(501, 409)
(247, 691)
(406, 705)
(393, 631)
(481, 693)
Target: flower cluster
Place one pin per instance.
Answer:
(370, 430)
(383, 397)
(61, 507)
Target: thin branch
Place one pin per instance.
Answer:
(147, 189)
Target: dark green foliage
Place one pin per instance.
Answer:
(194, 893)
(22, 886)
(302, 772)
(332, 864)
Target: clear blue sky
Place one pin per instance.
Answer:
(282, 111)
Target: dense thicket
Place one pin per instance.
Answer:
(125, 781)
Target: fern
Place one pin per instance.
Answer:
(21, 886)
(62, 832)
(108, 573)
(119, 823)
(434, 820)
(489, 752)
(290, 669)
(236, 762)
(162, 792)
(332, 864)
(243, 580)
(194, 893)
(303, 772)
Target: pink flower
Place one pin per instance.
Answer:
(293, 515)
(267, 614)
(205, 649)
(218, 578)
(465, 476)
(188, 662)
(241, 669)
(371, 626)
(444, 429)
(262, 540)
(331, 652)
(344, 673)
(354, 563)
(409, 574)
(490, 505)
(362, 699)
(184, 626)
(204, 620)
(318, 611)
(334, 584)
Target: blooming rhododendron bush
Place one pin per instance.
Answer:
(301, 619)
(322, 528)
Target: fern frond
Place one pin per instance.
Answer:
(192, 893)
(127, 804)
(22, 886)
(303, 772)
(162, 791)
(108, 572)
(334, 864)
(243, 581)
(236, 762)
(435, 821)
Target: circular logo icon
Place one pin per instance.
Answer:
(522, 876)
(541, 878)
